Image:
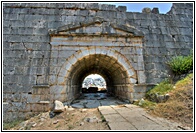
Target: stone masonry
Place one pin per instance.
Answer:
(49, 48)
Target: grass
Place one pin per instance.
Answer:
(162, 88)
(9, 125)
(103, 118)
(58, 126)
(70, 127)
(187, 80)
(146, 104)
(179, 106)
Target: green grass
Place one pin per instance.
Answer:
(146, 104)
(9, 125)
(58, 126)
(184, 81)
(70, 127)
(178, 107)
(103, 118)
(163, 88)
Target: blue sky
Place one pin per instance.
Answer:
(137, 7)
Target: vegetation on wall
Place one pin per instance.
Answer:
(181, 64)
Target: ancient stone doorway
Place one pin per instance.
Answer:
(111, 50)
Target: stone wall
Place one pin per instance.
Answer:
(27, 62)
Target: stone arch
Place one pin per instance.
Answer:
(118, 72)
(66, 67)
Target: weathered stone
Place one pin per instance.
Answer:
(122, 8)
(82, 123)
(52, 114)
(77, 105)
(155, 10)
(91, 119)
(146, 10)
(55, 122)
(70, 109)
(58, 106)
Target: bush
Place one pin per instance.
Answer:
(181, 64)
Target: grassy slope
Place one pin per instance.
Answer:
(179, 107)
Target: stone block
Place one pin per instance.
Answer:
(138, 96)
(32, 98)
(60, 97)
(41, 54)
(57, 89)
(15, 97)
(61, 80)
(83, 13)
(10, 17)
(54, 24)
(17, 106)
(92, 13)
(133, 81)
(122, 8)
(54, 54)
(93, 6)
(108, 15)
(140, 88)
(10, 78)
(140, 66)
(107, 7)
(58, 106)
(52, 80)
(90, 30)
(141, 77)
(149, 66)
(41, 91)
(41, 79)
(153, 80)
(6, 107)
(36, 107)
(155, 10)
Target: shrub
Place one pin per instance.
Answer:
(181, 64)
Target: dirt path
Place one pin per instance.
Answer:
(71, 119)
(114, 117)
(98, 112)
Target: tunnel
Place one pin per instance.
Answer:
(112, 66)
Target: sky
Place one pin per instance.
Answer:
(94, 76)
(137, 7)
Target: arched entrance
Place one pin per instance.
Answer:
(119, 74)
(111, 50)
